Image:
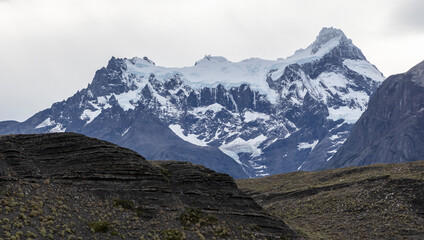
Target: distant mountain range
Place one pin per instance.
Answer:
(248, 119)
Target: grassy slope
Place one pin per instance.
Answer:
(372, 202)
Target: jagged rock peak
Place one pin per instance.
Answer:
(115, 64)
(211, 59)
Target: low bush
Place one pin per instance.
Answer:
(99, 226)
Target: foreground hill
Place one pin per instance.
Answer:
(68, 186)
(373, 202)
(249, 119)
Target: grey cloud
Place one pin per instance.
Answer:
(409, 15)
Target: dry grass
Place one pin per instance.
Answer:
(45, 210)
(373, 202)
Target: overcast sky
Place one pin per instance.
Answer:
(49, 49)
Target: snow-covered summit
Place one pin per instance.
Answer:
(328, 40)
(142, 61)
(326, 35)
(271, 78)
(208, 59)
(213, 70)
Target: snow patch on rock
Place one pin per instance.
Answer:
(250, 116)
(239, 145)
(216, 107)
(90, 115)
(348, 114)
(191, 138)
(58, 128)
(364, 68)
(46, 123)
(305, 145)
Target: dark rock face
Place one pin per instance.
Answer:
(82, 164)
(391, 130)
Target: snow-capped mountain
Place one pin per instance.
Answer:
(249, 119)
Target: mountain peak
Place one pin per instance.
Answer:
(328, 40)
(328, 33)
(144, 60)
(325, 36)
(211, 59)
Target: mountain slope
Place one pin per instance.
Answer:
(381, 201)
(68, 186)
(249, 119)
(391, 130)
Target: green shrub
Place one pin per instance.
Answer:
(196, 216)
(30, 234)
(209, 220)
(190, 216)
(126, 204)
(165, 172)
(173, 234)
(139, 212)
(99, 226)
(222, 231)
